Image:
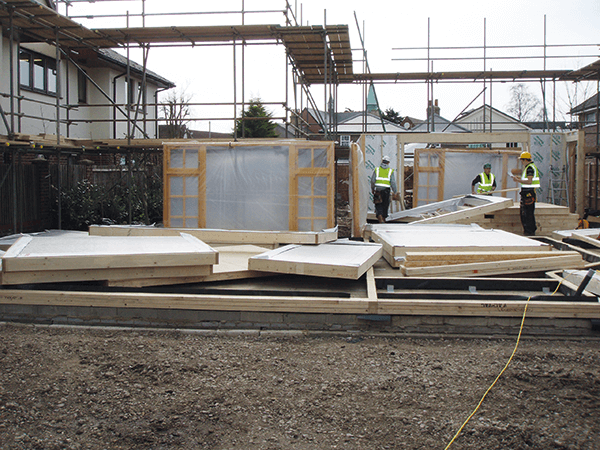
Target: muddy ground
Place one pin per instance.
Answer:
(82, 388)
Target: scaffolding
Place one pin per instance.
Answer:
(317, 55)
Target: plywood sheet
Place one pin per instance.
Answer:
(340, 259)
(67, 252)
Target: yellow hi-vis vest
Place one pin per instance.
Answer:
(383, 177)
(535, 182)
(485, 183)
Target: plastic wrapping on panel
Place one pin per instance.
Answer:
(376, 147)
(247, 188)
(442, 174)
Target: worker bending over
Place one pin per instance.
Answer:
(486, 180)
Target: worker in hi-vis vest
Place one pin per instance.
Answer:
(383, 185)
(486, 180)
(529, 181)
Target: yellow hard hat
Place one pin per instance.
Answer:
(525, 155)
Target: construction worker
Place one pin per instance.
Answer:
(530, 181)
(383, 184)
(486, 180)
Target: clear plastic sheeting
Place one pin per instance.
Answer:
(441, 174)
(247, 188)
(283, 185)
(360, 192)
(376, 146)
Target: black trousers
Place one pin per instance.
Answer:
(528, 199)
(381, 209)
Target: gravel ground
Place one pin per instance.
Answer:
(86, 388)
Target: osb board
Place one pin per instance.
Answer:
(68, 252)
(399, 240)
(222, 236)
(340, 259)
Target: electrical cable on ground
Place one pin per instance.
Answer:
(501, 372)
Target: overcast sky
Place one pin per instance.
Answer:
(389, 27)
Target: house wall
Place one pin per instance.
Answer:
(88, 122)
(475, 122)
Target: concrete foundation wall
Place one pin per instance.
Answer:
(242, 320)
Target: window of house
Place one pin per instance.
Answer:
(81, 87)
(37, 72)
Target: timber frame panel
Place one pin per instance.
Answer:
(311, 182)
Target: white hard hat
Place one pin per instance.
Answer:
(386, 159)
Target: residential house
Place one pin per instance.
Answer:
(587, 112)
(89, 88)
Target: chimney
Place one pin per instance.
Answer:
(436, 108)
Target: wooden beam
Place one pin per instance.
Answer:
(222, 236)
(580, 174)
(324, 305)
(498, 267)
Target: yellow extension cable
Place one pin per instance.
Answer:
(501, 372)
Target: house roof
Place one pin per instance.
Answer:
(351, 122)
(499, 117)
(590, 103)
(121, 61)
(440, 125)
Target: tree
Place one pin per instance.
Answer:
(392, 116)
(523, 105)
(175, 111)
(255, 122)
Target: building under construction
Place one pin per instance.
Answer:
(240, 237)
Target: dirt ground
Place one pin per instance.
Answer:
(82, 388)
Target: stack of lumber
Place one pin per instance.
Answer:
(114, 260)
(548, 218)
(466, 250)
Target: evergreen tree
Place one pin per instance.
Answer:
(255, 122)
(392, 116)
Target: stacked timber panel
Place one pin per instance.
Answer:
(548, 218)
(461, 250)
(72, 258)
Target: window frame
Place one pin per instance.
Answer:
(47, 63)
